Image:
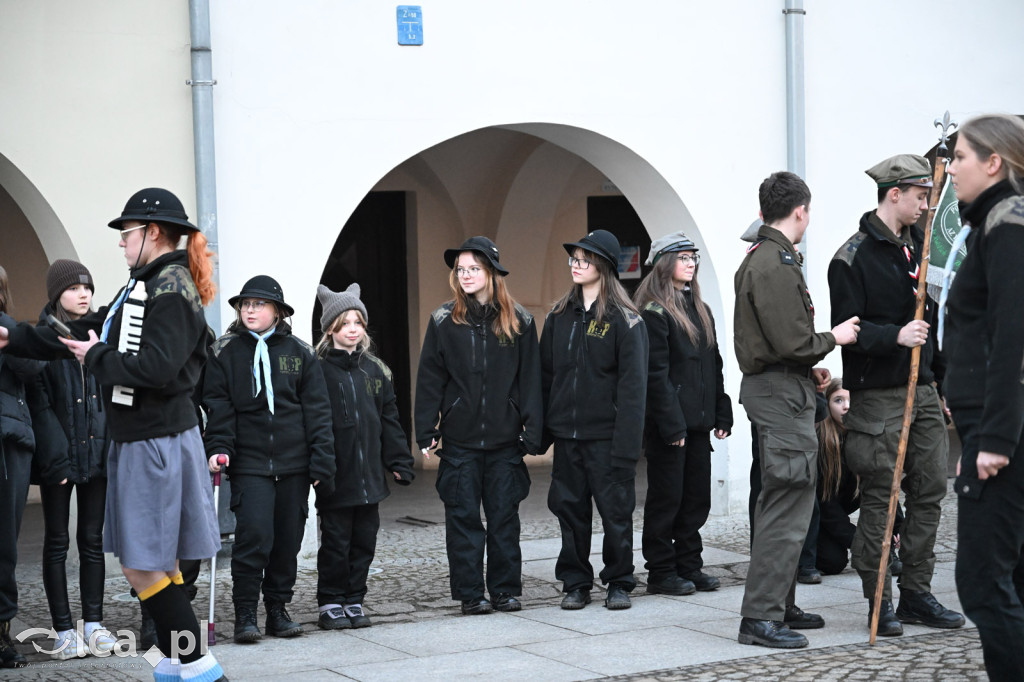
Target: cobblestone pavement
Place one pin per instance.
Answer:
(410, 584)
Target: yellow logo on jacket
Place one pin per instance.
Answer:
(598, 330)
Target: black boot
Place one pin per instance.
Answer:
(770, 633)
(245, 624)
(279, 623)
(888, 624)
(923, 608)
(9, 656)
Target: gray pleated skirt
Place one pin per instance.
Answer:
(160, 502)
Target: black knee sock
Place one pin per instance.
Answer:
(172, 612)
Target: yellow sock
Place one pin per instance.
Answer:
(154, 588)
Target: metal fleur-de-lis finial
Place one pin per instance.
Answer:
(945, 125)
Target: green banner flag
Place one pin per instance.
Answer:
(945, 228)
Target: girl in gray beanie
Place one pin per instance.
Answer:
(368, 444)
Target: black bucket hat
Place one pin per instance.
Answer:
(601, 242)
(154, 205)
(266, 288)
(481, 245)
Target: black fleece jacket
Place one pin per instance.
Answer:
(369, 444)
(985, 335)
(685, 384)
(485, 389)
(869, 276)
(163, 372)
(595, 377)
(297, 437)
(71, 432)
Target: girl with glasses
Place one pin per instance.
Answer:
(594, 360)
(270, 418)
(146, 349)
(478, 394)
(686, 401)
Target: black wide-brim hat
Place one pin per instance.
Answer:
(481, 245)
(154, 205)
(601, 242)
(266, 288)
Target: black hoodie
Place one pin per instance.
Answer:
(486, 389)
(595, 377)
(369, 443)
(297, 437)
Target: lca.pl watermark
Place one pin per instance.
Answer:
(182, 643)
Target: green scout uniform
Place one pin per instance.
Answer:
(874, 275)
(777, 347)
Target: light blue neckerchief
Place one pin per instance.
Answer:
(262, 356)
(114, 308)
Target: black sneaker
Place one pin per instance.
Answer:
(617, 598)
(702, 581)
(279, 623)
(476, 607)
(770, 633)
(809, 576)
(333, 618)
(246, 631)
(923, 608)
(673, 584)
(796, 619)
(576, 599)
(356, 617)
(888, 624)
(507, 603)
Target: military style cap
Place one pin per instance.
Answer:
(902, 169)
(671, 243)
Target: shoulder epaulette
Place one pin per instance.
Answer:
(380, 363)
(524, 313)
(848, 251)
(654, 308)
(220, 344)
(176, 279)
(443, 312)
(1009, 210)
(632, 319)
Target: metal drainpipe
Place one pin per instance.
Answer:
(795, 150)
(202, 134)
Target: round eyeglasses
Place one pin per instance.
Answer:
(690, 258)
(253, 304)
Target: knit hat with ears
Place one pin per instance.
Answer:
(335, 303)
(64, 273)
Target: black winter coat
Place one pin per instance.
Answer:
(985, 336)
(369, 443)
(870, 277)
(163, 373)
(685, 385)
(15, 418)
(485, 389)
(297, 437)
(595, 377)
(71, 432)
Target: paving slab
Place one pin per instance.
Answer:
(489, 664)
(310, 652)
(461, 633)
(646, 611)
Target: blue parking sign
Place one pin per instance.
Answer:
(410, 25)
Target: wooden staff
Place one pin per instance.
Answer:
(938, 176)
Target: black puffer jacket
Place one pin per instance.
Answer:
(685, 385)
(369, 443)
(72, 439)
(486, 389)
(869, 276)
(595, 377)
(297, 437)
(15, 418)
(985, 336)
